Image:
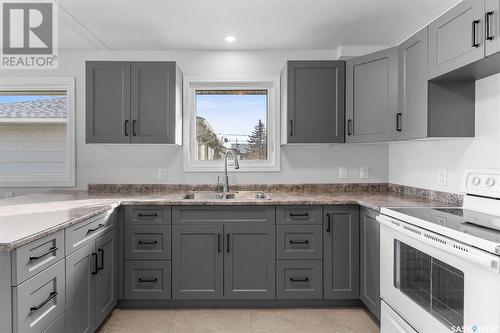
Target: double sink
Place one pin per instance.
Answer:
(242, 195)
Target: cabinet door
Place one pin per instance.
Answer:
(411, 122)
(197, 262)
(107, 102)
(456, 38)
(106, 278)
(370, 261)
(249, 267)
(341, 252)
(492, 26)
(316, 101)
(372, 96)
(153, 102)
(80, 290)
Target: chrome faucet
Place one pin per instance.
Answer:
(236, 166)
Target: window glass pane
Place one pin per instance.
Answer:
(33, 133)
(231, 120)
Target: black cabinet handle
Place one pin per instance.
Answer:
(96, 268)
(39, 306)
(228, 242)
(328, 222)
(147, 280)
(488, 29)
(95, 229)
(349, 127)
(218, 242)
(147, 215)
(51, 250)
(299, 215)
(125, 127)
(291, 127)
(399, 126)
(134, 122)
(305, 241)
(299, 279)
(101, 266)
(475, 43)
(147, 243)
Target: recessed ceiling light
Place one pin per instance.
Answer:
(230, 39)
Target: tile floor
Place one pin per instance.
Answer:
(241, 321)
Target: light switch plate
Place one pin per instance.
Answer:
(162, 173)
(442, 177)
(363, 172)
(343, 173)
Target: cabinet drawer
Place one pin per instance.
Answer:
(58, 326)
(147, 242)
(299, 279)
(83, 233)
(299, 241)
(36, 256)
(147, 280)
(148, 215)
(223, 215)
(39, 301)
(299, 215)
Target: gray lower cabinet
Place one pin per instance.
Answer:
(370, 261)
(299, 279)
(313, 101)
(299, 241)
(147, 242)
(91, 284)
(372, 96)
(456, 38)
(147, 279)
(197, 261)
(341, 252)
(249, 262)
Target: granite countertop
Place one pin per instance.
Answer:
(26, 218)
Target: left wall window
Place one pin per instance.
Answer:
(37, 133)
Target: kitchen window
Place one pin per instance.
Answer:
(37, 132)
(241, 116)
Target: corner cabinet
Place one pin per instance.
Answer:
(133, 102)
(370, 261)
(313, 102)
(372, 97)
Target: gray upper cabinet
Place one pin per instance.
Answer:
(249, 262)
(313, 102)
(370, 261)
(411, 120)
(492, 27)
(108, 102)
(372, 96)
(133, 102)
(456, 38)
(152, 99)
(341, 252)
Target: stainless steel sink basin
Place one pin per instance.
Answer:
(243, 195)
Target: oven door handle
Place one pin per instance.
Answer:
(462, 251)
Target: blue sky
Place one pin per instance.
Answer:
(234, 116)
(12, 99)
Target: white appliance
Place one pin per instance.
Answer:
(440, 267)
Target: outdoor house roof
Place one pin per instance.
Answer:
(43, 110)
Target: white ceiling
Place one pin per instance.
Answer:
(257, 24)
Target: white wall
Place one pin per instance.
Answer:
(140, 163)
(418, 163)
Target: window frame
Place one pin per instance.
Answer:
(46, 83)
(269, 83)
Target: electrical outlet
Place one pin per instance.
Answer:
(363, 172)
(343, 173)
(442, 177)
(162, 173)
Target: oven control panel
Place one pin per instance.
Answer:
(482, 182)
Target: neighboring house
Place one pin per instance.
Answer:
(33, 137)
(210, 146)
(240, 149)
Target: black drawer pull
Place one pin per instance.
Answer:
(101, 266)
(218, 242)
(475, 24)
(147, 243)
(305, 241)
(228, 238)
(147, 215)
(299, 215)
(125, 128)
(95, 229)
(51, 296)
(328, 222)
(51, 250)
(133, 127)
(489, 35)
(299, 279)
(147, 280)
(96, 267)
